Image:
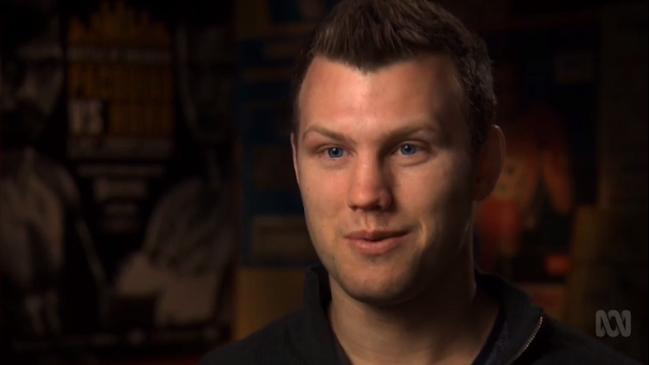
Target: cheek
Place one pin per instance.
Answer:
(436, 196)
(322, 196)
(323, 193)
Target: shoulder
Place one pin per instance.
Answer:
(557, 343)
(274, 344)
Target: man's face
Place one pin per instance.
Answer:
(31, 82)
(385, 171)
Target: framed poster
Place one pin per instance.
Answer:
(117, 183)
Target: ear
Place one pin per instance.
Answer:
(294, 154)
(489, 163)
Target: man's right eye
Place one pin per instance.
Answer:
(335, 152)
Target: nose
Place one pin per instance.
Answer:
(370, 187)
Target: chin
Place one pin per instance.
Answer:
(379, 290)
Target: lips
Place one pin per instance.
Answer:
(375, 243)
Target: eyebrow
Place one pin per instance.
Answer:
(396, 134)
(327, 133)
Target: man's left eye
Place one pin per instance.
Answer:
(408, 149)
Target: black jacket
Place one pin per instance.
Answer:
(523, 334)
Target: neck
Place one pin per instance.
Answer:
(448, 323)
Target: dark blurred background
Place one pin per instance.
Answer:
(148, 209)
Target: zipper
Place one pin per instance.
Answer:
(529, 340)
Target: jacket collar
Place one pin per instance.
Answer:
(321, 344)
(522, 319)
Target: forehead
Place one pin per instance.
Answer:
(419, 88)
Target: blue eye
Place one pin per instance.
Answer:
(335, 152)
(407, 149)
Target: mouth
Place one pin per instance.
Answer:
(375, 243)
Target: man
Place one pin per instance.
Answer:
(38, 197)
(393, 146)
